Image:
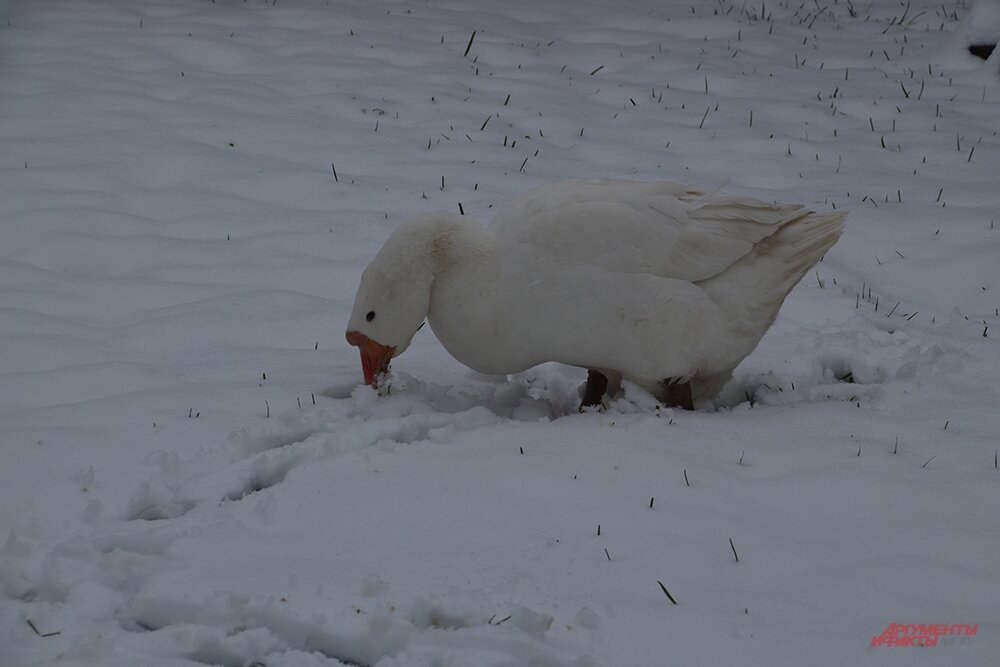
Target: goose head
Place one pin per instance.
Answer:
(392, 300)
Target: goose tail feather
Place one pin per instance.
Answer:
(755, 287)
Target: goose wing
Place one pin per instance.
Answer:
(661, 229)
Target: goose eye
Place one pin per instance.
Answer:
(370, 316)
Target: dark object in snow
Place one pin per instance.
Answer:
(983, 51)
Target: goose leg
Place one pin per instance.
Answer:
(614, 387)
(676, 394)
(597, 384)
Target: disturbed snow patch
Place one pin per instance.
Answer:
(114, 579)
(851, 364)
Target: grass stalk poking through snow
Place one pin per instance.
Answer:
(666, 592)
(39, 633)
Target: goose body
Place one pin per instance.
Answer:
(655, 282)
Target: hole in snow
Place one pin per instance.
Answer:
(258, 481)
(850, 369)
(161, 512)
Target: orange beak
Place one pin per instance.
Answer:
(375, 357)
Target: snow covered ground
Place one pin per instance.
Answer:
(192, 474)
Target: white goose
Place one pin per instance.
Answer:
(658, 283)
